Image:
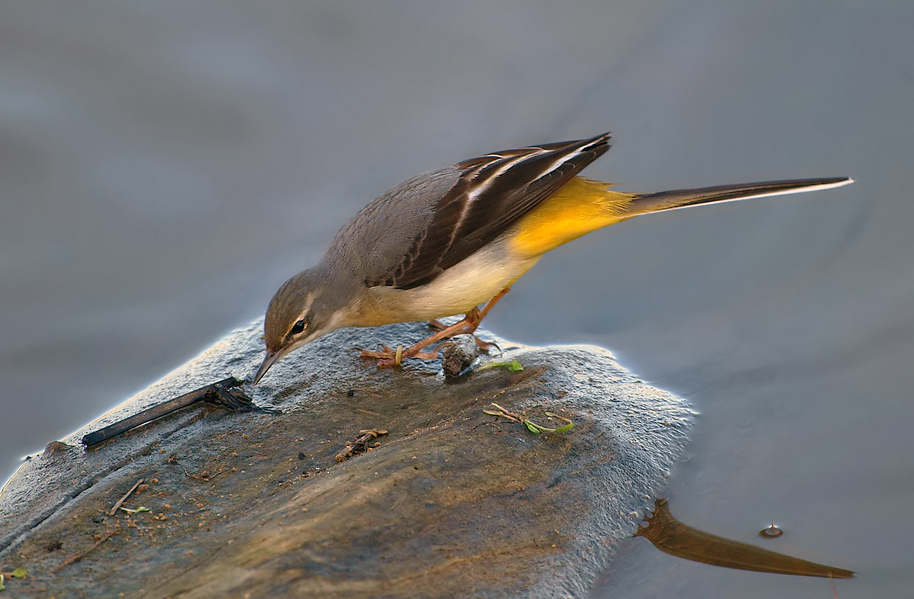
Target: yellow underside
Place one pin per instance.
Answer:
(577, 208)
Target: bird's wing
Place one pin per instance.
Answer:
(491, 194)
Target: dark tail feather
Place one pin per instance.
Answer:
(680, 198)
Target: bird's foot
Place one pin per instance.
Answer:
(388, 357)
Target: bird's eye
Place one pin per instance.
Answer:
(298, 327)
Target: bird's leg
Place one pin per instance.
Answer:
(467, 326)
(393, 357)
(489, 305)
(485, 345)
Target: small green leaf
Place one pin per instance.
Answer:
(136, 511)
(532, 427)
(2, 586)
(513, 365)
(564, 429)
(19, 573)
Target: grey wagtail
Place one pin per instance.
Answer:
(447, 241)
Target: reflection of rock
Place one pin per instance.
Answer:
(451, 502)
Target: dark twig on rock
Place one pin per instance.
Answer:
(224, 393)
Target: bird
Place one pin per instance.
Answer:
(448, 241)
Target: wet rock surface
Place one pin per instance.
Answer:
(449, 502)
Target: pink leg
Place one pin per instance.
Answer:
(393, 357)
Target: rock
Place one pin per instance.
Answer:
(450, 502)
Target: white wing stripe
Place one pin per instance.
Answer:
(510, 163)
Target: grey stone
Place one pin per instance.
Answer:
(450, 502)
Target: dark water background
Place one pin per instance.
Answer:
(163, 168)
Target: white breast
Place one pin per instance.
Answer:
(457, 290)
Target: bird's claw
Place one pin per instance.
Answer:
(436, 325)
(485, 345)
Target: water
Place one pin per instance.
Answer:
(164, 168)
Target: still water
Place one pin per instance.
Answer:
(164, 168)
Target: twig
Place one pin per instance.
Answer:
(79, 556)
(529, 424)
(205, 476)
(163, 409)
(360, 445)
(121, 501)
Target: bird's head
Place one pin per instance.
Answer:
(296, 316)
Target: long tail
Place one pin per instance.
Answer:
(582, 206)
(681, 198)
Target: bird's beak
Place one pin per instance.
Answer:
(267, 362)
